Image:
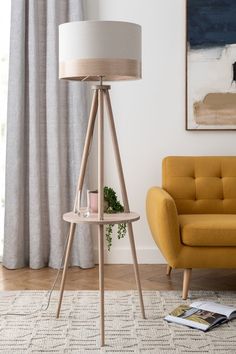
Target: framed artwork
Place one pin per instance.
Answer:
(211, 65)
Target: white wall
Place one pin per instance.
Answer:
(150, 113)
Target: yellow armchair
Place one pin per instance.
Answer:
(193, 217)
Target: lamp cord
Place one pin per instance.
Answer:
(49, 293)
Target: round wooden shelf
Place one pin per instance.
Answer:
(107, 219)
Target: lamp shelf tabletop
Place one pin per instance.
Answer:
(117, 218)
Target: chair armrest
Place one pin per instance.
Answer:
(164, 224)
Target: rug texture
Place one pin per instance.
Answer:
(77, 329)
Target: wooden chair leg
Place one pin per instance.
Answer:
(186, 281)
(168, 270)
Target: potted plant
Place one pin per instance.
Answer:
(111, 206)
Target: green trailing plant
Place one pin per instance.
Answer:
(112, 206)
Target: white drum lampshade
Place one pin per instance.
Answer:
(91, 49)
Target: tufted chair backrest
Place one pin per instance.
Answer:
(201, 185)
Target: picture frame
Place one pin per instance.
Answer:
(210, 65)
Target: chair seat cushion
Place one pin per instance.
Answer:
(208, 229)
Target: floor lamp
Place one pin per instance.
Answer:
(100, 51)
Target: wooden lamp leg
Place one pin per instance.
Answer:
(186, 282)
(168, 270)
(136, 270)
(65, 268)
(124, 197)
(87, 144)
(101, 210)
(101, 283)
(88, 140)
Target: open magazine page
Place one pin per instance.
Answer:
(195, 317)
(227, 311)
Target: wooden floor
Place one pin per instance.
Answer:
(118, 277)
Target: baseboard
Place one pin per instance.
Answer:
(123, 256)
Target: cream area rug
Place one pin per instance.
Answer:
(77, 329)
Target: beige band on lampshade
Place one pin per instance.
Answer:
(91, 49)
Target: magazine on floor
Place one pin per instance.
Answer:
(202, 315)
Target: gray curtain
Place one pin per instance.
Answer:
(46, 126)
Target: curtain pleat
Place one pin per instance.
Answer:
(46, 127)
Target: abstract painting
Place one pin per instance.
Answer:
(211, 65)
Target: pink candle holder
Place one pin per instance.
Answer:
(93, 200)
